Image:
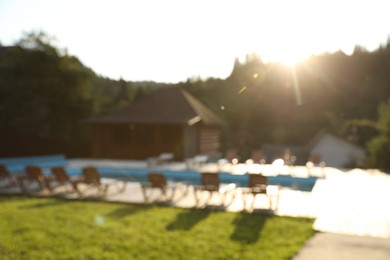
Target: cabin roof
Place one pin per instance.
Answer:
(168, 105)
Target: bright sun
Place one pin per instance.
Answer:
(288, 57)
(292, 59)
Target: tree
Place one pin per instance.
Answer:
(43, 92)
(379, 147)
(123, 95)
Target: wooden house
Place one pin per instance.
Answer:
(168, 120)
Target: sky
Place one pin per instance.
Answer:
(173, 40)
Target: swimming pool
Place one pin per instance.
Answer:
(193, 177)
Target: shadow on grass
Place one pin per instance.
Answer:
(188, 219)
(248, 227)
(45, 204)
(127, 210)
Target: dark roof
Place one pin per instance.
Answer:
(3, 50)
(165, 106)
(7, 49)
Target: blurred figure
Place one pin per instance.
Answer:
(288, 157)
(258, 156)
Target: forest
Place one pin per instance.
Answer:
(47, 94)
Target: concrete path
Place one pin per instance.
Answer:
(325, 246)
(353, 203)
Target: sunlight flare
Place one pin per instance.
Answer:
(242, 89)
(297, 90)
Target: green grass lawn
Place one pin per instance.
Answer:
(49, 228)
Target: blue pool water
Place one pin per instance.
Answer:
(193, 177)
(16, 165)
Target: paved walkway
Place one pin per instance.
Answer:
(325, 246)
(353, 203)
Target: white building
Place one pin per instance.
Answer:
(335, 151)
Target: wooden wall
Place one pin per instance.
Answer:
(137, 141)
(130, 141)
(209, 140)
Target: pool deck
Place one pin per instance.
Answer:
(346, 203)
